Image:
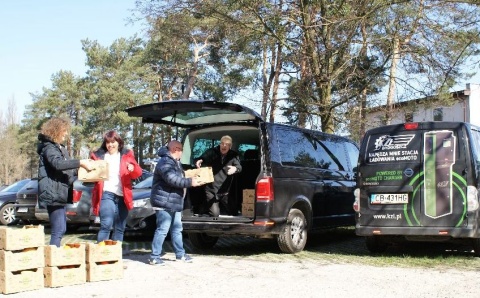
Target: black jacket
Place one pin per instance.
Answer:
(56, 173)
(213, 158)
(168, 183)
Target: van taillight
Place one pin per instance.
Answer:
(77, 194)
(265, 189)
(356, 203)
(410, 126)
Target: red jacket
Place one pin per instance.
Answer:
(126, 156)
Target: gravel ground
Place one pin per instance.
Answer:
(211, 276)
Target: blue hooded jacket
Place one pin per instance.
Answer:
(168, 183)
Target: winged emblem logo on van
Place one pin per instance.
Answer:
(387, 142)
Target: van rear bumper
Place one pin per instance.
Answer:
(224, 228)
(417, 231)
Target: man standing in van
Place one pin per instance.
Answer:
(224, 163)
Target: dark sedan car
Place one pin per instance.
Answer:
(26, 201)
(8, 196)
(27, 210)
(78, 211)
(142, 216)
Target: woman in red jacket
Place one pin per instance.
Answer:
(112, 199)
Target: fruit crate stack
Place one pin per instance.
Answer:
(21, 258)
(104, 260)
(65, 265)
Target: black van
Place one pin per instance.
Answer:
(419, 181)
(299, 180)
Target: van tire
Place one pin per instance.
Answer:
(202, 240)
(294, 235)
(476, 246)
(375, 244)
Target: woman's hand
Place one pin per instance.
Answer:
(86, 164)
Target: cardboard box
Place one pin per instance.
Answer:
(29, 258)
(13, 238)
(64, 275)
(105, 270)
(204, 174)
(69, 254)
(248, 209)
(249, 196)
(99, 173)
(20, 281)
(108, 251)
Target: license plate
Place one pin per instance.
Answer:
(395, 198)
(22, 209)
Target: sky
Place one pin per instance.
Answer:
(38, 38)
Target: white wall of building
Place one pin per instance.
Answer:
(462, 111)
(474, 103)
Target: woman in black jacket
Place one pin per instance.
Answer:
(56, 174)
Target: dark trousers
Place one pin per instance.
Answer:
(58, 223)
(217, 203)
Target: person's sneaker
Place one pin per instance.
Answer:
(157, 262)
(186, 258)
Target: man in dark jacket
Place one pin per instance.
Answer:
(168, 192)
(224, 163)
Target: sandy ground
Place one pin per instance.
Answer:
(210, 276)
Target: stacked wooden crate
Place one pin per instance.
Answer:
(104, 260)
(21, 258)
(65, 265)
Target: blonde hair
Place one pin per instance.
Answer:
(226, 138)
(55, 128)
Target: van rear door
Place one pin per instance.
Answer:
(414, 177)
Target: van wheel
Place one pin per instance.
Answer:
(294, 235)
(476, 246)
(375, 244)
(202, 240)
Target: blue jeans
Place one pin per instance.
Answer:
(168, 220)
(113, 213)
(58, 223)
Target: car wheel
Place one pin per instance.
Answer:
(202, 240)
(294, 236)
(8, 215)
(375, 244)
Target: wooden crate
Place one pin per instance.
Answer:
(16, 260)
(109, 251)
(13, 238)
(106, 270)
(21, 281)
(248, 196)
(69, 254)
(248, 209)
(59, 276)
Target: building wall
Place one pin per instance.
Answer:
(473, 107)
(465, 111)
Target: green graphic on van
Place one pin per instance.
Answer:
(439, 154)
(411, 213)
